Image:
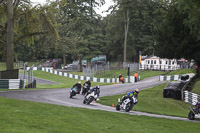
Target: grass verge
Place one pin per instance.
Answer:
(65, 81)
(32, 117)
(182, 71)
(151, 100)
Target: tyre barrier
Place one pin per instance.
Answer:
(173, 90)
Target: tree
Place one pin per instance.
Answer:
(178, 35)
(137, 20)
(79, 30)
(22, 23)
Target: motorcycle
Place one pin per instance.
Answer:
(127, 104)
(90, 97)
(73, 92)
(194, 111)
(85, 89)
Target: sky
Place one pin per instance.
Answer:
(99, 11)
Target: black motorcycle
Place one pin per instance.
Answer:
(194, 111)
(85, 88)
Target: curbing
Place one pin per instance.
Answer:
(191, 98)
(130, 79)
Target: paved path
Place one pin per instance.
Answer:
(61, 97)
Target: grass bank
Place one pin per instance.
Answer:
(181, 71)
(151, 100)
(65, 81)
(32, 117)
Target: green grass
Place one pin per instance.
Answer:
(148, 73)
(76, 73)
(113, 73)
(65, 82)
(19, 116)
(196, 86)
(151, 100)
(181, 71)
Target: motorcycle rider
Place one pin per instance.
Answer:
(87, 82)
(131, 94)
(96, 89)
(78, 85)
(197, 105)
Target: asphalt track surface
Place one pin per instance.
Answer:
(61, 97)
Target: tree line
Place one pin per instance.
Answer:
(72, 29)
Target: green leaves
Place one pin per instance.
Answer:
(178, 35)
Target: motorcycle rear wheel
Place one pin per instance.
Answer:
(129, 106)
(191, 115)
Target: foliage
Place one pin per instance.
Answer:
(178, 35)
(80, 33)
(140, 34)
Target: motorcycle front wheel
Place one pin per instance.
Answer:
(90, 99)
(191, 115)
(118, 107)
(84, 101)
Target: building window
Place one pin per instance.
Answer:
(148, 61)
(160, 62)
(166, 62)
(154, 61)
(151, 61)
(172, 62)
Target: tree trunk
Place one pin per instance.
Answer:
(80, 64)
(64, 59)
(126, 26)
(9, 39)
(88, 63)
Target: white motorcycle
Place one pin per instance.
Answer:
(127, 104)
(90, 97)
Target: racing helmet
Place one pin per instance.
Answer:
(97, 87)
(136, 91)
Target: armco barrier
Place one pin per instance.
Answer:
(174, 77)
(11, 84)
(93, 79)
(191, 98)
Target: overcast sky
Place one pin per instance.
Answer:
(99, 11)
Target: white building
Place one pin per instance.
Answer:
(156, 63)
